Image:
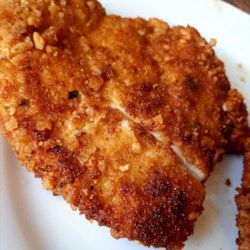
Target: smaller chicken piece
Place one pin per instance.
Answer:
(243, 203)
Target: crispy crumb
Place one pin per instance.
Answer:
(11, 124)
(47, 184)
(74, 208)
(136, 147)
(124, 168)
(12, 111)
(213, 42)
(91, 5)
(38, 41)
(51, 49)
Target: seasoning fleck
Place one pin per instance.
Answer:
(73, 94)
(23, 102)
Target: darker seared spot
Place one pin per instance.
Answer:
(107, 73)
(57, 150)
(225, 87)
(190, 83)
(228, 129)
(158, 185)
(92, 208)
(73, 94)
(178, 208)
(145, 99)
(162, 216)
(103, 221)
(68, 166)
(187, 137)
(42, 135)
(146, 87)
(48, 168)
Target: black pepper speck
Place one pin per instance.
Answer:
(23, 102)
(73, 94)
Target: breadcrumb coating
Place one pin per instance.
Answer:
(122, 117)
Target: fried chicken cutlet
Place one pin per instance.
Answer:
(243, 203)
(125, 118)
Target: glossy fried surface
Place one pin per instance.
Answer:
(122, 117)
(243, 202)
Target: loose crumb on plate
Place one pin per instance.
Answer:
(228, 182)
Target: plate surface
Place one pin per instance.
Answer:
(31, 218)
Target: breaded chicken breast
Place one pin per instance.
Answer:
(125, 118)
(243, 202)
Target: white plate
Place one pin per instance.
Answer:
(31, 218)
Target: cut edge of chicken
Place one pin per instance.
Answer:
(195, 171)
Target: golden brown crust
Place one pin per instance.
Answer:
(243, 202)
(82, 95)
